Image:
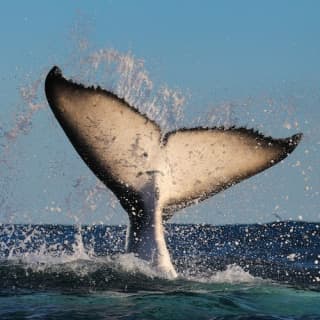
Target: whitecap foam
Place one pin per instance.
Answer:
(129, 263)
(233, 274)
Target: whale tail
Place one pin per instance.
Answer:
(155, 174)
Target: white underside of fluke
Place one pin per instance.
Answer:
(154, 174)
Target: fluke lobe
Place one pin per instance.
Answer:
(155, 174)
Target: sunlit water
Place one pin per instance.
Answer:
(266, 271)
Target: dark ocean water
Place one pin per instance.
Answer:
(269, 271)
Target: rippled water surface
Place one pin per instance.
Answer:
(266, 271)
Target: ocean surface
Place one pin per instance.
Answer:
(260, 271)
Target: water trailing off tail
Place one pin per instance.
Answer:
(155, 174)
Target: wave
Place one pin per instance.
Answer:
(116, 273)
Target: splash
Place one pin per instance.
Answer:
(126, 76)
(93, 256)
(28, 246)
(120, 73)
(233, 274)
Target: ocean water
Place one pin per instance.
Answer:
(268, 271)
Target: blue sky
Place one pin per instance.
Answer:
(260, 58)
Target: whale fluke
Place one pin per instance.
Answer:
(155, 174)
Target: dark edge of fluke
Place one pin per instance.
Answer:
(56, 74)
(288, 144)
